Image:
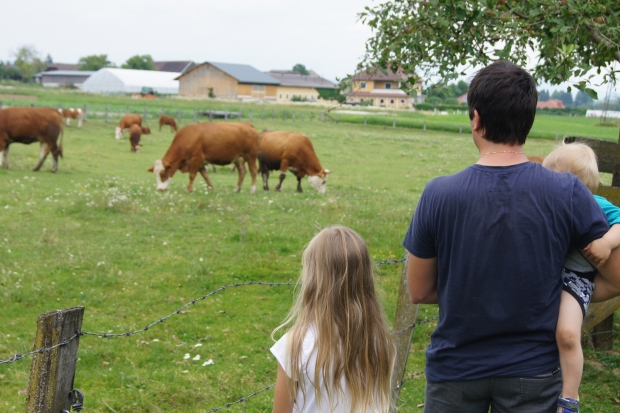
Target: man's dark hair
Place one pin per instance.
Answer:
(505, 97)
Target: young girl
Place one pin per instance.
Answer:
(338, 355)
(579, 276)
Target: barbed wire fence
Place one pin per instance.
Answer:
(18, 356)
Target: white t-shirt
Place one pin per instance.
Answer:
(308, 359)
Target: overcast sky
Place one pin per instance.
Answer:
(324, 35)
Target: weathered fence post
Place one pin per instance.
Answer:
(424, 125)
(194, 115)
(126, 109)
(85, 113)
(303, 117)
(394, 124)
(404, 320)
(337, 118)
(262, 113)
(144, 116)
(226, 115)
(52, 372)
(251, 114)
(239, 114)
(293, 116)
(106, 113)
(161, 111)
(461, 129)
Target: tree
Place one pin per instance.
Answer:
(94, 62)
(140, 62)
(543, 96)
(301, 69)
(48, 60)
(565, 97)
(10, 72)
(445, 37)
(28, 60)
(582, 99)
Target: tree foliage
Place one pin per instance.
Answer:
(446, 93)
(301, 69)
(28, 60)
(139, 62)
(444, 37)
(582, 99)
(95, 62)
(565, 97)
(10, 72)
(543, 96)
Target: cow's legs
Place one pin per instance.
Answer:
(283, 169)
(299, 184)
(4, 157)
(264, 171)
(241, 169)
(80, 118)
(42, 155)
(68, 121)
(203, 172)
(55, 152)
(192, 176)
(253, 173)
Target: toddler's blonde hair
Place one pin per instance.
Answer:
(337, 296)
(578, 159)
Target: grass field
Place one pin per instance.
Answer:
(97, 234)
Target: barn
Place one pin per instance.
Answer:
(296, 85)
(131, 81)
(227, 81)
(56, 78)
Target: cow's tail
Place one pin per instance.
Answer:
(62, 134)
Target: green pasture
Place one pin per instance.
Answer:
(98, 234)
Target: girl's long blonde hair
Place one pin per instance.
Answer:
(337, 297)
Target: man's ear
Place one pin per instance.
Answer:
(150, 169)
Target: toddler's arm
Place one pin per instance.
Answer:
(598, 250)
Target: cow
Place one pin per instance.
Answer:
(195, 146)
(135, 132)
(125, 123)
(290, 151)
(28, 125)
(145, 130)
(72, 113)
(536, 158)
(167, 120)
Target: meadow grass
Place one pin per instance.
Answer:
(97, 234)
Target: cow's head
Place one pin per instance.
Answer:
(318, 181)
(162, 174)
(146, 130)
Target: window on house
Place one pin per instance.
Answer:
(280, 95)
(362, 99)
(381, 101)
(258, 88)
(362, 85)
(392, 101)
(402, 101)
(388, 86)
(287, 95)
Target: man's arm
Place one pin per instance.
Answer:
(422, 280)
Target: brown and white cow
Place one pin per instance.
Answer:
(167, 120)
(125, 122)
(195, 146)
(72, 113)
(28, 125)
(135, 132)
(290, 151)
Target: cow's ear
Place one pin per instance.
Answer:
(327, 171)
(150, 169)
(167, 166)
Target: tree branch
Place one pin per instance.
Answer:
(600, 38)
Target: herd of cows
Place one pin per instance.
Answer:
(193, 148)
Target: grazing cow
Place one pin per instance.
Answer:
(167, 120)
(125, 123)
(28, 125)
(135, 132)
(195, 146)
(290, 151)
(536, 159)
(72, 113)
(146, 130)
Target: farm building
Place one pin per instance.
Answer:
(131, 81)
(174, 66)
(294, 84)
(382, 89)
(227, 81)
(56, 78)
(550, 104)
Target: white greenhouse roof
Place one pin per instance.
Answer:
(131, 81)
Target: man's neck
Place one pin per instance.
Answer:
(495, 154)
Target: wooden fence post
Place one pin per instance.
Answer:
(303, 117)
(52, 372)
(250, 113)
(161, 111)
(239, 114)
(262, 113)
(406, 316)
(425, 126)
(194, 115)
(394, 124)
(126, 109)
(144, 117)
(283, 115)
(226, 115)
(85, 113)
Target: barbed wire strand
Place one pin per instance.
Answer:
(241, 400)
(417, 323)
(18, 356)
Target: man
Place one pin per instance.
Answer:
(488, 244)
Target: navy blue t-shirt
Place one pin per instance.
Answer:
(500, 235)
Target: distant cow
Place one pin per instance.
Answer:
(145, 130)
(195, 146)
(125, 123)
(72, 113)
(290, 151)
(135, 132)
(167, 120)
(28, 125)
(536, 159)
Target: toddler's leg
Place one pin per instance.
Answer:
(604, 289)
(568, 336)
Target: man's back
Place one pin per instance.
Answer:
(500, 235)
